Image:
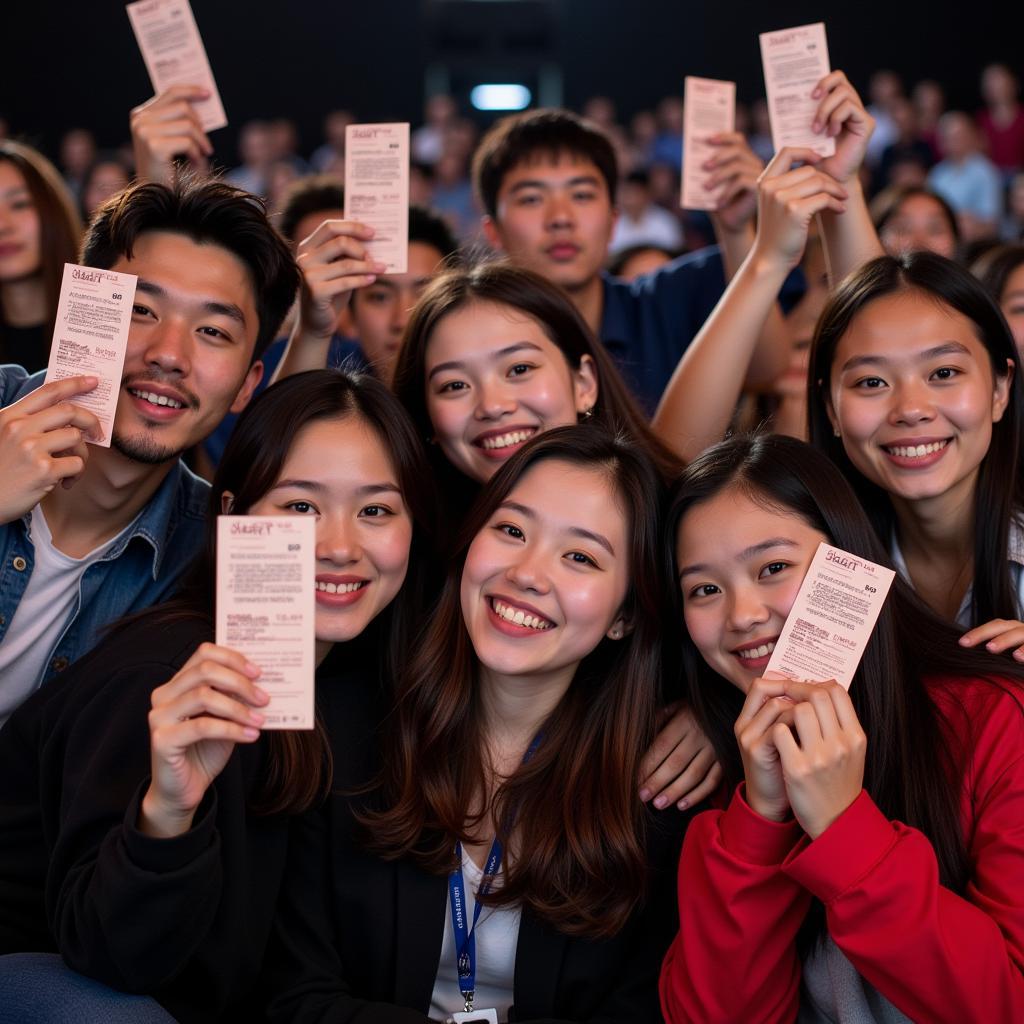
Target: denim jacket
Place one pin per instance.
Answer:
(142, 568)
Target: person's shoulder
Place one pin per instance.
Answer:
(16, 382)
(193, 493)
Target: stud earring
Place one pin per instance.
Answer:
(616, 632)
(835, 431)
(587, 413)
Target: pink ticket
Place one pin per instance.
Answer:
(377, 189)
(795, 60)
(90, 336)
(173, 50)
(710, 109)
(266, 608)
(831, 621)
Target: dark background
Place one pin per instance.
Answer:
(68, 64)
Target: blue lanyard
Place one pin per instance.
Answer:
(465, 935)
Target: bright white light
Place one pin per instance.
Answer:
(500, 97)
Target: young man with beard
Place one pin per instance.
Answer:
(214, 282)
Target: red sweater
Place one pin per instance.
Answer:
(745, 885)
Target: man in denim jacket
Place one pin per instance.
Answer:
(214, 283)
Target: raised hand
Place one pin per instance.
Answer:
(165, 127)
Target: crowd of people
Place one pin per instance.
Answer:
(568, 473)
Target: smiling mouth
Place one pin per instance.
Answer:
(753, 653)
(154, 399)
(518, 617)
(495, 442)
(340, 588)
(916, 451)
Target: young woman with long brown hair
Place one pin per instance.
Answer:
(497, 857)
(40, 231)
(163, 847)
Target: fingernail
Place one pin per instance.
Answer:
(683, 804)
(965, 641)
(660, 802)
(645, 794)
(1019, 655)
(250, 734)
(370, 278)
(260, 694)
(256, 718)
(380, 267)
(990, 644)
(816, 126)
(251, 669)
(816, 93)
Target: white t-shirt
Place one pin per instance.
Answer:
(497, 935)
(49, 601)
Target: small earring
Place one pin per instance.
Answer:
(616, 632)
(835, 431)
(588, 412)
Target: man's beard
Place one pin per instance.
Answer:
(144, 449)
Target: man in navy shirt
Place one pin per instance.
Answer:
(546, 181)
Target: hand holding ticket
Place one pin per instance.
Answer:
(831, 620)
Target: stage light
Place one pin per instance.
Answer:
(506, 96)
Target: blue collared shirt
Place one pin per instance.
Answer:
(142, 568)
(647, 324)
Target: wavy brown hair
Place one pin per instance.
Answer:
(60, 227)
(579, 828)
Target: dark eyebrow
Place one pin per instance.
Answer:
(947, 348)
(576, 531)
(583, 179)
(228, 309)
(314, 485)
(508, 350)
(754, 549)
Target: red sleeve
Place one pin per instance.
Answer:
(935, 955)
(738, 920)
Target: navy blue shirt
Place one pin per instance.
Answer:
(647, 324)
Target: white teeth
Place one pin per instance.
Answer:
(155, 399)
(519, 617)
(504, 440)
(338, 588)
(915, 451)
(758, 652)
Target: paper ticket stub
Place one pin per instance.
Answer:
(377, 189)
(266, 608)
(710, 109)
(831, 621)
(173, 50)
(90, 336)
(795, 60)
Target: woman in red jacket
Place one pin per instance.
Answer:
(868, 862)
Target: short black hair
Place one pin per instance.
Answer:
(430, 228)
(306, 196)
(206, 211)
(517, 139)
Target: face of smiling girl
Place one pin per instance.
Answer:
(339, 471)
(741, 563)
(913, 396)
(493, 380)
(546, 578)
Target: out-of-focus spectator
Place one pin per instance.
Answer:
(254, 149)
(638, 260)
(643, 129)
(967, 179)
(884, 89)
(421, 184)
(325, 158)
(1013, 223)
(641, 221)
(77, 152)
(929, 100)
(284, 145)
(1002, 120)
(453, 196)
(668, 146)
(5, 128)
(914, 220)
(428, 141)
(908, 147)
(663, 180)
(760, 138)
(1001, 271)
(107, 176)
(281, 176)
(601, 110)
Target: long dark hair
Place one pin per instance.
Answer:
(60, 227)
(1000, 487)
(908, 753)
(299, 762)
(502, 283)
(579, 859)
